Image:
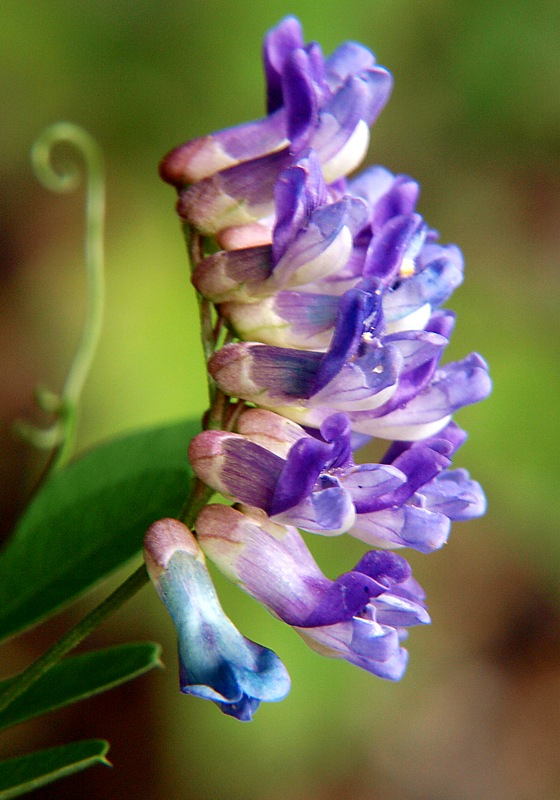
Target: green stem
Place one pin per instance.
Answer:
(199, 496)
(208, 329)
(76, 635)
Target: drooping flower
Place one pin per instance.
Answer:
(361, 616)
(216, 662)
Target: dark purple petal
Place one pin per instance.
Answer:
(336, 430)
(385, 567)
(452, 435)
(359, 313)
(299, 474)
(299, 190)
(301, 98)
(420, 464)
(343, 599)
(283, 371)
(401, 237)
(279, 43)
(399, 200)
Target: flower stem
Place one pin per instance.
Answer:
(73, 638)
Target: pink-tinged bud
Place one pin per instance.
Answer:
(207, 456)
(256, 234)
(162, 540)
(194, 160)
(225, 533)
(239, 195)
(231, 369)
(239, 275)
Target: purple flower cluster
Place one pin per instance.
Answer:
(332, 289)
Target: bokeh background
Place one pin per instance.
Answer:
(475, 117)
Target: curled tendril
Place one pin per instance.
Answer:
(60, 434)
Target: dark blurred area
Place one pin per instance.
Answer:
(475, 117)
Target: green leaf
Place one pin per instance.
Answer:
(25, 773)
(78, 678)
(89, 519)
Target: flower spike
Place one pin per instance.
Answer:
(332, 291)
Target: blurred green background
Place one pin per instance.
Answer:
(475, 117)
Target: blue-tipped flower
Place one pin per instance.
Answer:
(360, 616)
(216, 662)
(313, 483)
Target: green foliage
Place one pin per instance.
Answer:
(22, 774)
(78, 678)
(89, 519)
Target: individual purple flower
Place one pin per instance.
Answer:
(360, 617)
(310, 101)
(390, 386)
(216, 662)
(323, 104)
(313, 483)
(301, 200)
